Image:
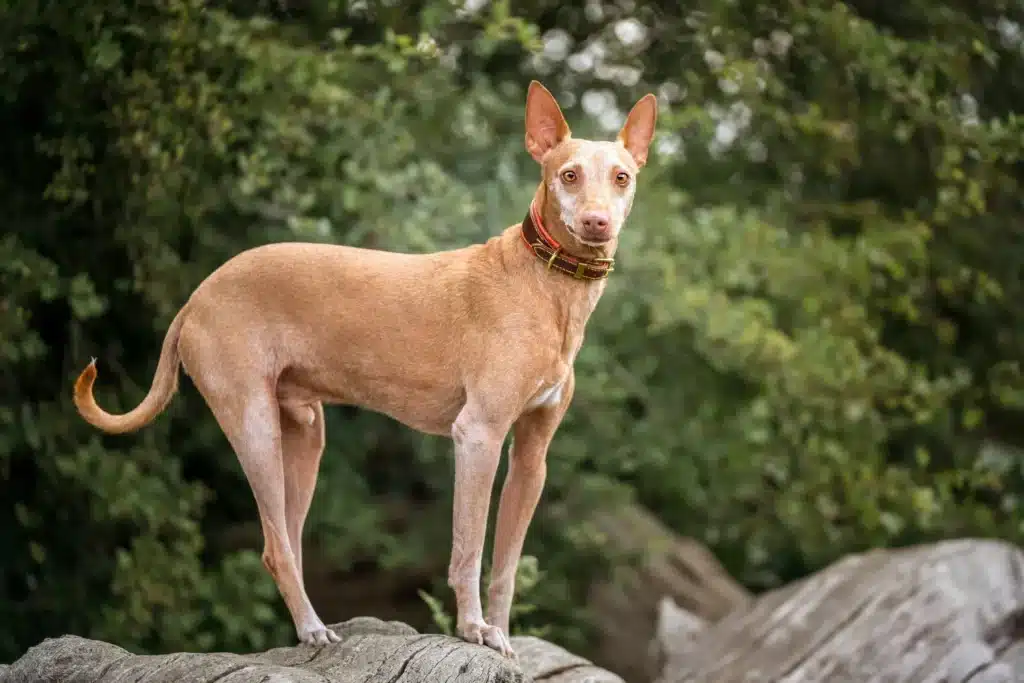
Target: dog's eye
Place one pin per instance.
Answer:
(622, 178)
(569, 176)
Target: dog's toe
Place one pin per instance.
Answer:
(493, 637)
(496, 639)
(319, 636)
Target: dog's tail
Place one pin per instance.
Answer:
(165, 383)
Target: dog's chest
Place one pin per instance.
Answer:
(550, 384)
(568, 338)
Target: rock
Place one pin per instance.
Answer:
(674, 635)
(626, 607)
(370, 650)
(951, 612)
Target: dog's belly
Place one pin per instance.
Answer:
(428, 407)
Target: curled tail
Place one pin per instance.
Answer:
(165, 383)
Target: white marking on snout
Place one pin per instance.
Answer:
(566, 202)
(619, 202)
(596, 161)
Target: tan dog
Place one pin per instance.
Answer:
(470, 343)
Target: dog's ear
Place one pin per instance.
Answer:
(545, 125)
(638, 130)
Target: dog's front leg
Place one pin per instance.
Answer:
(527, 469)
(477, 452)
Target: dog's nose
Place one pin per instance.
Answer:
(595, 222)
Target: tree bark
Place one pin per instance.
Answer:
(370, 650)
(951, 612)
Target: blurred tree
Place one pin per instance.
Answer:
(849, 332)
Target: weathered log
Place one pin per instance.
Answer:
(951, 612)
(625, 608)
(370, 650)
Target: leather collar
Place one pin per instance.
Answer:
(547, 249)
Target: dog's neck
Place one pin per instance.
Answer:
(555, 246)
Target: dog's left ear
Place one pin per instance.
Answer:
(638, 130)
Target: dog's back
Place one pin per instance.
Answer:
(346, 325)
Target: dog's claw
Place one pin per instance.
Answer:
(319, 636)
(493, 637)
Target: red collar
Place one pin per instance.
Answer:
(547, 249)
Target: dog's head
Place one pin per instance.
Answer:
(588, 184)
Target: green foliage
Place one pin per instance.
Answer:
(528, 578)
(442, 620)
(813, 344)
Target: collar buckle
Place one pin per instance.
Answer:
(549, 251)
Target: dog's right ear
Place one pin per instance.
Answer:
(545, 125)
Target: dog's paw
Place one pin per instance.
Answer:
(482, 633)
(319, 635)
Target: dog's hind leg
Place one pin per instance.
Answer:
(302, 441)
(250, 416)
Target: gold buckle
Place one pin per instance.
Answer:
(542, 249)
(608, 270)
(549, 255)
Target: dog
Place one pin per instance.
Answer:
(471, 343)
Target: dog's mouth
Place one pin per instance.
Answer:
(588, 241)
